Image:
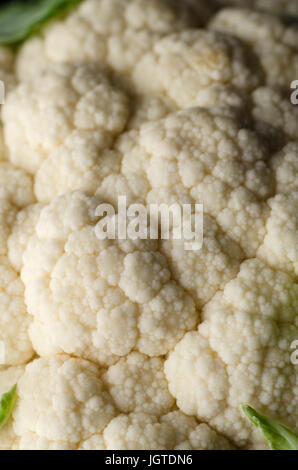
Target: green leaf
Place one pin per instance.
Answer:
(278, 436)
(7, 403)
(21, 18)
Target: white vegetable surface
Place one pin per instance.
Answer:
(141, 344)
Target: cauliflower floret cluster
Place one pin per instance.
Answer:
(272, 41)
(184, 63)
(115, 32)
(64, 403)
(99, 299)
(139, 343)
(204, 155)
(66, 121)
(15, 192)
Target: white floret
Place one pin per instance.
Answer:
(241, 354)
(280, 243)
(15, 185)
(115, 32)
(21, 231)
(182, 64)
(137, 384)
(204, 156)
(285, 168)
(125, 344)
(99, 299)
(15, 346)
(272, 108)
(61, 402)
(273, 42)
(140, 431)
(151, 107)
(67, 105)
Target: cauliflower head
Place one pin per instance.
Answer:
(15, 347)
(52, 116)
(240, 354)
(203, 155)
(114, 32)
(270, 39)
(99, 299)
(66, 403)
(184, 63)
(139, 343)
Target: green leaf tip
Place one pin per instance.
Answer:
(278, 436)
(21, 18)
(7, 403)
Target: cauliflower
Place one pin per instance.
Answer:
(203, 155)
(65, 403)
(15, 185)
(149, 107)
(215, 264)
(99, 299)
(21, 231)
(141, 343)
(115, 32)
(137, 384)
(274, 43)
(62, 401)
(279, 248)
(86, 110)
(285, 167)
(274, 114)
(171, 431)
(82, 107)
(15, 346)
(266, 109)
(240, 354)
